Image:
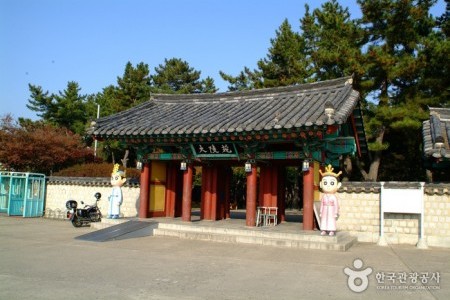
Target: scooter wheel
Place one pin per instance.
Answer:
(76, 222)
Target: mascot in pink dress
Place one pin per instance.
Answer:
(115, 200)
(329, 203)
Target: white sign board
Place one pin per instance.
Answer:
(401, 200)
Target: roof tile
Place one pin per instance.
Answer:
(245, 111)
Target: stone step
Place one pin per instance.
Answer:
(268, 232)
(268, 236)
(301, 241)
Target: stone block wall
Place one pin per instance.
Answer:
(360, 215)
(359, 208)
(61, 189)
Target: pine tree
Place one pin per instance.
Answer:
(65, 109)
(333, 42)
(41, 102)
(70, 108)
(396, 30)
(434, 78)
(175, 76)
(108, 101)
(285, 64)
(240, 82)
(133, 88)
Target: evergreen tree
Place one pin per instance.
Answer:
(108, 101)
(70, 108)
(133, 88)
(333, 42)
(434, 79)
(66, 109)
(208, 86)
(240, 82)
(396, 30)
(41, 102)
(177, 77)
(285, 64)
(444, 21)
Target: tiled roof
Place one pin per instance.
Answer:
(436, 134)
(282, 108)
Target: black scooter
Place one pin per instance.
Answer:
(86, 215)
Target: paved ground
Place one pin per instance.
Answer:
(40, 259)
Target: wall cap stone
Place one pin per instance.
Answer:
(347, 186)
(375, 187)
(88, 181)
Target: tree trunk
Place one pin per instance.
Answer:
(374, 167)
(376, 161)
(348, 168)
(125, 159)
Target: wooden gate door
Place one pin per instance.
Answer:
(158, 176)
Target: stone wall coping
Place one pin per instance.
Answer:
(375, 187)
(88, 181)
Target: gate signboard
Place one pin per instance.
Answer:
(214, 150)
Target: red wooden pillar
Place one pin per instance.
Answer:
(207, 193)
(226, 191)
(221, 172)
(250, 212)
(261, 186)
(214, 205)
(274, 186)
(203, 192)
(187, 194)
(178, 193)
(282, 194)
(308, 199)
(145, 191)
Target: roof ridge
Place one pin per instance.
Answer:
(235, 95)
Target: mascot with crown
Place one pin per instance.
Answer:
(118, 179)
(329, 204)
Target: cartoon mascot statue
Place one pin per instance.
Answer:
(329, 204)
(118, 179)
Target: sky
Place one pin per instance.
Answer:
(51, 42)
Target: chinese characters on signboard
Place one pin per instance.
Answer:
(214, 149)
